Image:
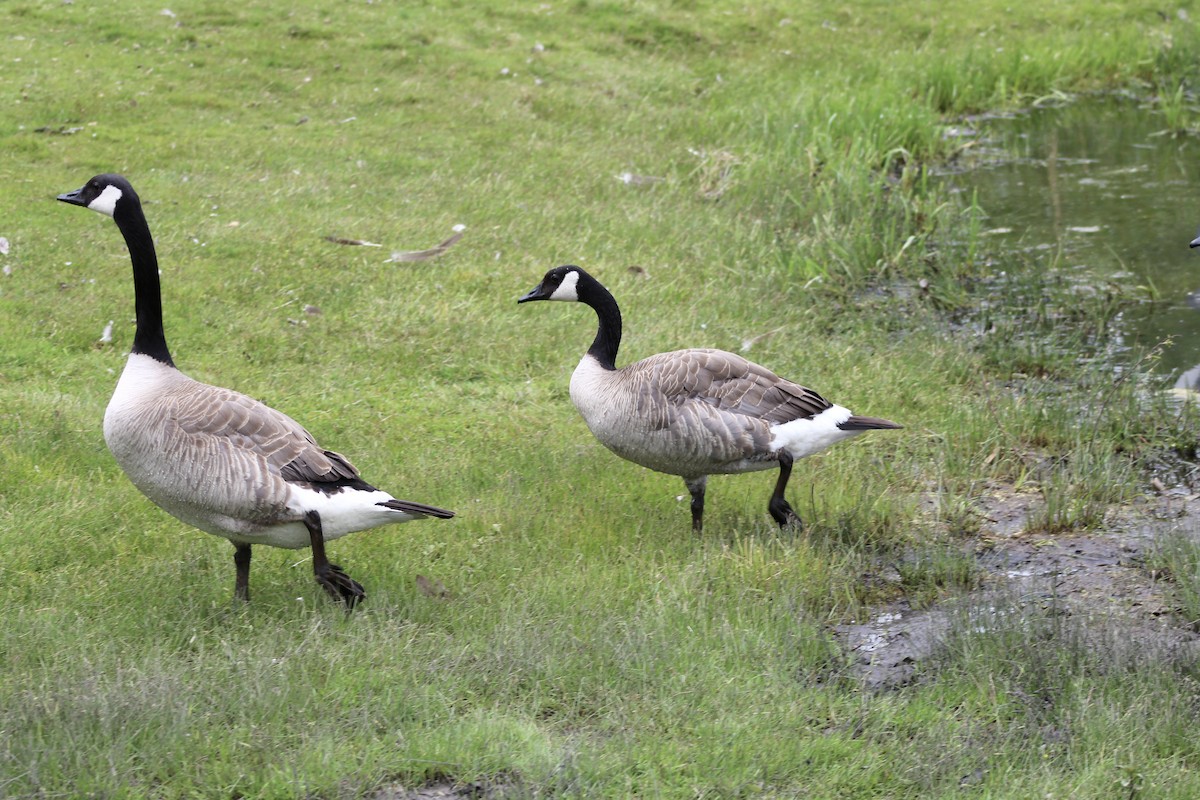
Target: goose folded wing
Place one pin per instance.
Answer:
(731, 383)
(248, 426)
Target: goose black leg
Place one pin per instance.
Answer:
(696, 488)
(241, 560)
(781, 512)
(333, 580)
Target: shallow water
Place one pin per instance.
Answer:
(1099, 186)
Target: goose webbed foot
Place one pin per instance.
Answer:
(331, 577)
(781, 511)
(783, 514)
(339, 585)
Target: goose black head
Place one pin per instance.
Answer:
(560, 283)
(105, 194)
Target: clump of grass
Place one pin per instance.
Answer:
(1078, 492)
(934, 571)
(956, 513)
(1175, 104)
(1057, 682)
(1177, 559)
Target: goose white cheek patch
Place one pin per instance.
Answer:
(106, 203)
(566, 290)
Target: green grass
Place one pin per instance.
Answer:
(591, 646)
(1177, 559)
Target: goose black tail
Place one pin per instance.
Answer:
(409, 507)
(856, 423)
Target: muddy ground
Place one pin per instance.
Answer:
(1105, 578)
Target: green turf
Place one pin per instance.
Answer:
(591, 645)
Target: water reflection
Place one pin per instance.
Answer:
(1189, 379)
(1100, 186)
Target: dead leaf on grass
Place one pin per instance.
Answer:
(432, 587)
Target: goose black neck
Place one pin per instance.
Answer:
(149, 338)
(608, 334)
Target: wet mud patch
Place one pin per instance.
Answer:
(889, 648)
(1100, 584)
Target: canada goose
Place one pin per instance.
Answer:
(695, 413)
(217, 459)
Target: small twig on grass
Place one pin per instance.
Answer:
(422, 255)
(357, 242)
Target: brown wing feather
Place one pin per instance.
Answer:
(252, 426)
(731, 383)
